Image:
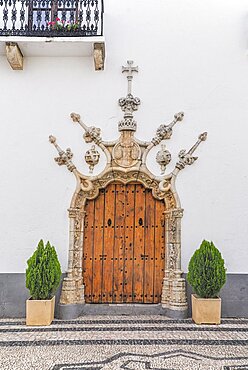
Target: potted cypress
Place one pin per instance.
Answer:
(42, 279)
(206, 275)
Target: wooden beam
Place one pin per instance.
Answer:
(14, 55)
(99, 55)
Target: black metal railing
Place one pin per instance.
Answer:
(51, 18)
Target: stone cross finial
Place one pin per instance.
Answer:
(129, 69)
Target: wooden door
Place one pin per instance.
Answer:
(124, 246)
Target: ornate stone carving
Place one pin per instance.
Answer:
(129, 69)
(91, 133)
(129, 103)
(92, 158)
(173, 254)
(165, 131)
(177, 213)
(126, 162)
(64, 158)
(163, 158)
(126, 152)
(165, 185)
(128, 123)
(186, 158)
(170, 200)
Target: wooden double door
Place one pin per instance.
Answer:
(124, 246)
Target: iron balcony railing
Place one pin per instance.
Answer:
(51, 18)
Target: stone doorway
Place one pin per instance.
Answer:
(124, 246)
(102, 251)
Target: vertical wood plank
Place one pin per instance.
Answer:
(124, 246)
(149, 248)
(139, 218)
(98, 248)
(109, 241)
(159, 249)
(87, 250)
(119, 243)
(129, 243)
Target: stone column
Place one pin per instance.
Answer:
(73, 287)
(174, 289)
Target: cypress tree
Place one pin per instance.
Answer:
(206, 271)
(44, 272)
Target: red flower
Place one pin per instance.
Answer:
(57, 19)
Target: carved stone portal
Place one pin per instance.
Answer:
(126, 163)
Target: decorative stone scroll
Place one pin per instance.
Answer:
(126, 162)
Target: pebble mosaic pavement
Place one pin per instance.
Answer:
(124, 342)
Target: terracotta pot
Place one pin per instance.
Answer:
(40, 312)
(206, 310)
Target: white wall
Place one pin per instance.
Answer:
(192, 56)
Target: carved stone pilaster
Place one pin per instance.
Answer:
(73, 286)
(173, 292)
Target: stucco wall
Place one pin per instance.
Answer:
(192, 56)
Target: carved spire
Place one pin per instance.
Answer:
(91, 133)
(64, 158)
(165, 131)
(130, 103)
(186, 158)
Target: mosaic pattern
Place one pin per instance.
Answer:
(115, 343)
(166, 361)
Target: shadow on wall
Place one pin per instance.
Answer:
(234, 296)
(13, 295)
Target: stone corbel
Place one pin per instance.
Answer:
(99, 55)
(14, 55)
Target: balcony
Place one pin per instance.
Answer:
(51, 28)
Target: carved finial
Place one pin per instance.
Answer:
(91, 133)
(75, 117)
(130, 103)
(179, 116)
(92, 158)
(165, 131)
(203, 136)
(129, 69)
(64, 158)
(52, 139)
(186, 158)
(163, 158)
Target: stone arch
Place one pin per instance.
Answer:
(173, 291)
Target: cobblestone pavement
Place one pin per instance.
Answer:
(124, 342)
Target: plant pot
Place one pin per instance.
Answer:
(40, 312)
(206, 310)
